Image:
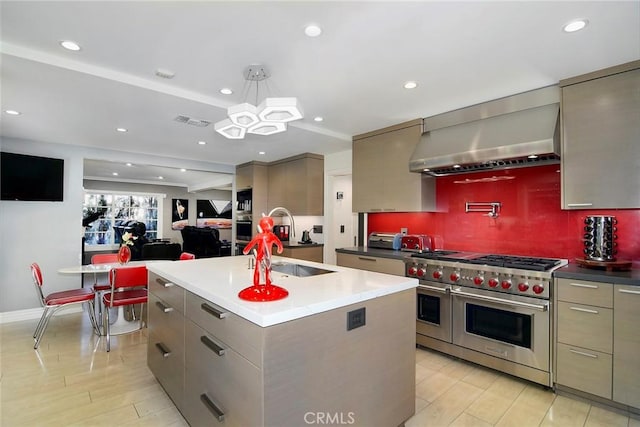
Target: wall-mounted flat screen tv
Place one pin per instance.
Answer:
(31, 178)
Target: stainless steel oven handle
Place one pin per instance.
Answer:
(434, 289)
(544, 307)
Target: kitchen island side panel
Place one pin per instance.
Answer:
(315, 367)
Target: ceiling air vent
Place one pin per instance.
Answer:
(191, 121)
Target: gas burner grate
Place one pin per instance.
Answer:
(523, 263)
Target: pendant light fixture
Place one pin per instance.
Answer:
(269, 117)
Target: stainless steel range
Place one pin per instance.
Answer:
(493, 310)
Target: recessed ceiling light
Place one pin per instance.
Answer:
(183, 170)
(226, 91)
(115, 174)
(576, 25)
(262, 153)
(121, 130)
(161, 177)
(13, 112)
(70, 45)
(410, 85)
(202, 143)
(318, 119)
(312, 30)
(129, 164)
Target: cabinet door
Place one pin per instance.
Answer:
(382, 181)
(626, 345)
(600, 149)
(244, 177)
(278, 186)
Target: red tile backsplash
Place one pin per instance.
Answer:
(530, 221)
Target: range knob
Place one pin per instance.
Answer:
(506, 284)
(455, 276)
(412, 271)
(437, 274)
(493, 282)
(478, 280)
(421, 272)
(538, 289)
(523, 287)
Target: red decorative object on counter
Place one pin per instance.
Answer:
(124, 254)
(265, 239)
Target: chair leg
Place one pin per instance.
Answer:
(106, 327)
(92, 317)
(41, 322)
(44, 326)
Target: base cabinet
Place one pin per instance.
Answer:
(310, 253)
(598, 343)
(369, 263)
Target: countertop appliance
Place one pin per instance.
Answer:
(282, 232)
(493, 310)
(416, 243)
(384, 240)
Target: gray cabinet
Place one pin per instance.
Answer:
(597, 340)
(370, 263)
(600, 135)
(297, 183)
(626, 345)
(381, 178)
(309, 253)
(254, 176)
(165, 348)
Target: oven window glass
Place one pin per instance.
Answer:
(501, 325)
(429, 309)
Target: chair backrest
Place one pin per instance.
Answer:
(36, 273)
(186, 255)
(128, 277)
(104, 258)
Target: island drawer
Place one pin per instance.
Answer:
(585, 292)
(165, 321)
(243, 336)
(232, 385)
(585, 325)
(166, 361)
(166, 290)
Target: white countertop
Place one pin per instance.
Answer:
(219, 280)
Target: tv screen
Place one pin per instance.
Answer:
(31, 178)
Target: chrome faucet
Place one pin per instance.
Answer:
(286, 212)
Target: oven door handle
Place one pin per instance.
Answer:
(434, 289)
(543, 307)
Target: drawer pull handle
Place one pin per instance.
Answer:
(584, 310)
(581, 353)
(366, 259)
(625, 291)
(213, 311)
(164, 308)
(164, 283)
(582, 285)
(579, 205)
(212, 345)
(163, 349)
(217, 412)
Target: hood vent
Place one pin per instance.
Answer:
(518, 131)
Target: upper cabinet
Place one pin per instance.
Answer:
(297, 183)
(601, 139)
(381, 178)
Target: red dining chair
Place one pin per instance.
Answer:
(57, 300)
(186, 255)
(128, 287)
(102, 287)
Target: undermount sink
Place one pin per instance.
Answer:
(298, 270)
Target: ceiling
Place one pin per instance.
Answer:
(352, 74)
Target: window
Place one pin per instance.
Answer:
(116, 209)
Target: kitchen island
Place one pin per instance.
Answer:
(339, 349)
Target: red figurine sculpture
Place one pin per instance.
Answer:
(264, 240)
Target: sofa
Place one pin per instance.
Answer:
(202, 242)
(161, 250)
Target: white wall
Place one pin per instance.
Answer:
(336, 164)
(50, 233)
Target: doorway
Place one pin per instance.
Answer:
(341, 221)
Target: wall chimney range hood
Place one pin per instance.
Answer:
(516, 131)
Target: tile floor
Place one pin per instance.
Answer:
(72, 381)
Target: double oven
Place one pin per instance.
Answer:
(493, 310)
